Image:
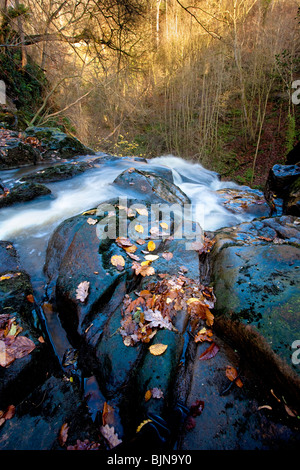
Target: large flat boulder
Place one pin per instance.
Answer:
(255, 274)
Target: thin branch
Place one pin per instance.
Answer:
(212, 34)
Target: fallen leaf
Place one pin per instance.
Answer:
(157, 393)
(232, 375)
(164, 225)
(203, 335)
(290, 412)
(107, 414)
(167, 255)
(154, 230)
(142, 211)
(9, 276)
(264, 406)
(123, 241)
(139, 228)
(63, 434)
(210, 352)
(158, 349)
(148, 395)
(156, 319)
(196, 408)
(10, 412)
(151, 257)
(118, 261)
(108, 432)
(82, 291)
(91, 221)
(151, 246)
(144, 270)
(130, 249)
(135, 257)
(30, 298)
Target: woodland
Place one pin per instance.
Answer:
(206, 80)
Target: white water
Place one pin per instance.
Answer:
(30, 225)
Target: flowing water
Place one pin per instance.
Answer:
(29, 225)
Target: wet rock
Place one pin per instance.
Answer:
(54, 143)
(43, 413)
(246, 417)
(15, 152)
(20, 376)
(60, 172)
(244, 201)
(77, 253)
(292, 200)
(255, 277)
(18, 149)
(151, 187)
(277, 188)
(23, 192)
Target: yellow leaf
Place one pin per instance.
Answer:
(139, 228)
(164, 225)
(151, 246)
(117, 260)
(148, 395)
(158, 349)
(192, 300)
(130, 249)
(141, 211)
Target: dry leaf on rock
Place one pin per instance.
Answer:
(63, 434)
(118, 261)
(151, 246)
(167, 255)
(139, 228)
(157, 393)
(144, 270)
(151, 257)
(232, 375)
(156, 319)
(158, 349)
(91, 221)
(203, 335)
(210, 352)
(82, 291)
(108, 432)
(123, 242)
(141, 211)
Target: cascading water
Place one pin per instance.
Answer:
(29, 225)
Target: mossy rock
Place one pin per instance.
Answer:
(55, 143)
(60, 172)
(24, 192)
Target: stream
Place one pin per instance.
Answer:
(29, 225)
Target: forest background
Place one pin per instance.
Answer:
(206, 80)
